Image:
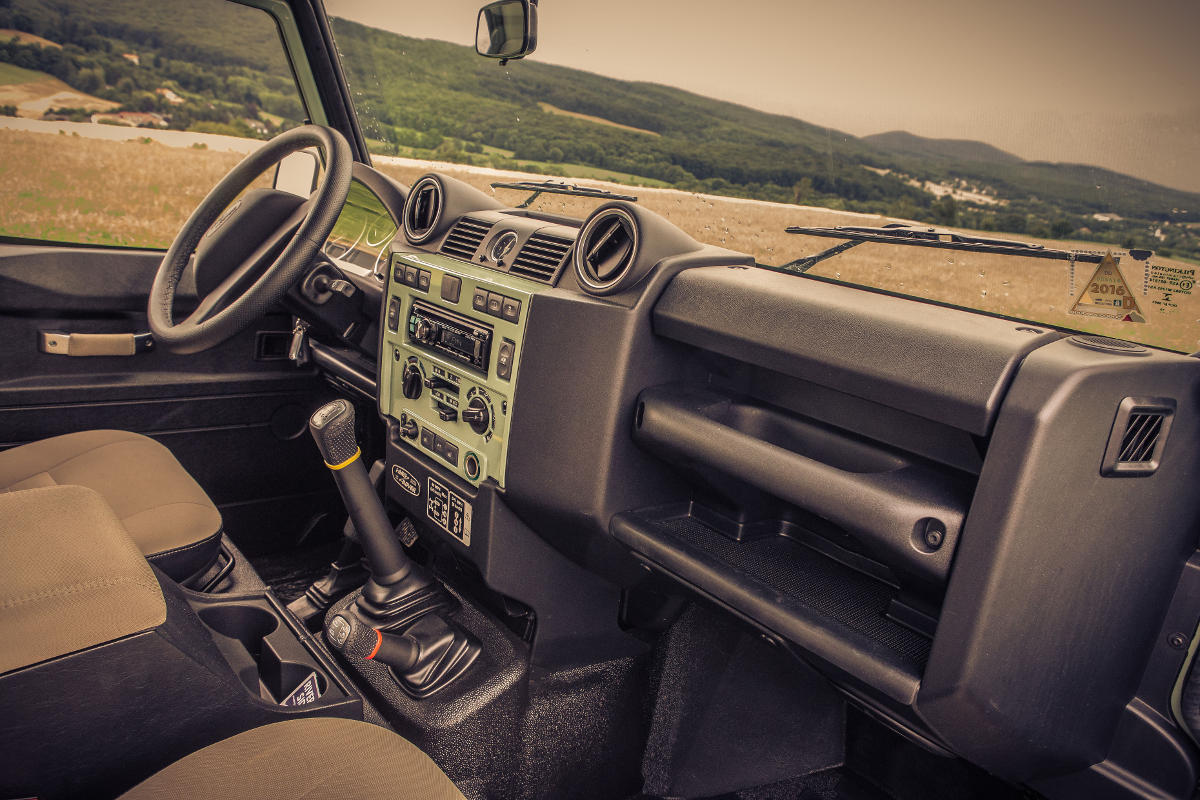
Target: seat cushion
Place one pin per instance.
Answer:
(164, 510)
(310, 758)
(71, 578)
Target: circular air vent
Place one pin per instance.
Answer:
(423, 210)
(1107, 345)
(606, 250)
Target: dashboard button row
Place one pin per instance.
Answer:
(496, 305)
(412, 276)
(435, 444)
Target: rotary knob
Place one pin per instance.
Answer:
(424, 332)
(411, 381)
(476, 415)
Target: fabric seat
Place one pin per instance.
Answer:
(165, 511)
(311, 758)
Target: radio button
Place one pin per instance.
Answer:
(479, 300)
(451, 286)
(423, 280)
(511, 309)
(494, 303)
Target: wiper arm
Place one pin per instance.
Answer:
(558, 187)
(899, 233)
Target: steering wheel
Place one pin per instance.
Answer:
(259, 282)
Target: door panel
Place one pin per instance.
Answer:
(236, 421)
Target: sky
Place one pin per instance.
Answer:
(1105, 82)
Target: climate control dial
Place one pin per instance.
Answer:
(477, 415)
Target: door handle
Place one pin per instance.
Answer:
(95, 344)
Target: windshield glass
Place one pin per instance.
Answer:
(1026, 123)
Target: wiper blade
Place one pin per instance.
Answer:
(559, 187)
(899, 233)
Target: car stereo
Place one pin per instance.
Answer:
(455, 336)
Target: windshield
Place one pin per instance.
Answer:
(1080, 133)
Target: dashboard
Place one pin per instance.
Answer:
(592, 411)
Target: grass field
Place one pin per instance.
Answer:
(136, 193)
(35, 93)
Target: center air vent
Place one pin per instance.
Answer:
(423, 210)
(1138, 435)
(606, 250)
(541, 256)
(466, 237)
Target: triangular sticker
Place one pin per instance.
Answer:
(1107, 294)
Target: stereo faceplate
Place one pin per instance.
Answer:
(452, 339)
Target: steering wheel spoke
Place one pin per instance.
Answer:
(275, 264)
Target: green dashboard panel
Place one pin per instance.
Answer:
(436, 317)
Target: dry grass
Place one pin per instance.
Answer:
(1027, 288)
(75, 189)
(68, 188)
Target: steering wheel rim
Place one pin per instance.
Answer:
(207, 327)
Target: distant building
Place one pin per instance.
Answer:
(132, 58)
(1107, 217)
(255, 125)
(134, 119)
(169, 96)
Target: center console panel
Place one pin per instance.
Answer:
(449, 364)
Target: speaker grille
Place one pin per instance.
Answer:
(1107, 344)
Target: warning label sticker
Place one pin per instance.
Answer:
(1107, 295)
(449, 511)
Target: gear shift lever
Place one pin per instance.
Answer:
(399, 590)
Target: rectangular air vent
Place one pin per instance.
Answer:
(465, 238)
(541, 256)
(1138, 435)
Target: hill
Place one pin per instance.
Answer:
(427, 98)
(905, 143)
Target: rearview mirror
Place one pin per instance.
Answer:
(507, 29)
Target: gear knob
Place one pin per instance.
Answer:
(332, 427)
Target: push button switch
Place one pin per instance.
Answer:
(494, 303)
(451, 286)
(393, 314)
(479, 300)
(427, 440)
(511, 309)
(423, 280)
(504, 360)
(410, 276)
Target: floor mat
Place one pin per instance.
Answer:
(830, 784)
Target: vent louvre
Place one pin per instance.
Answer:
(423, 210)
(1139, 432)
(541, 256)
(1141, 438)
(465, 238)
(606, 251)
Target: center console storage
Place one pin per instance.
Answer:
(214, 668)
(277, 662)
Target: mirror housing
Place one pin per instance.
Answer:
(506, 29)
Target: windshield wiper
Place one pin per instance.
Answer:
(559, 187)
(900, 233)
